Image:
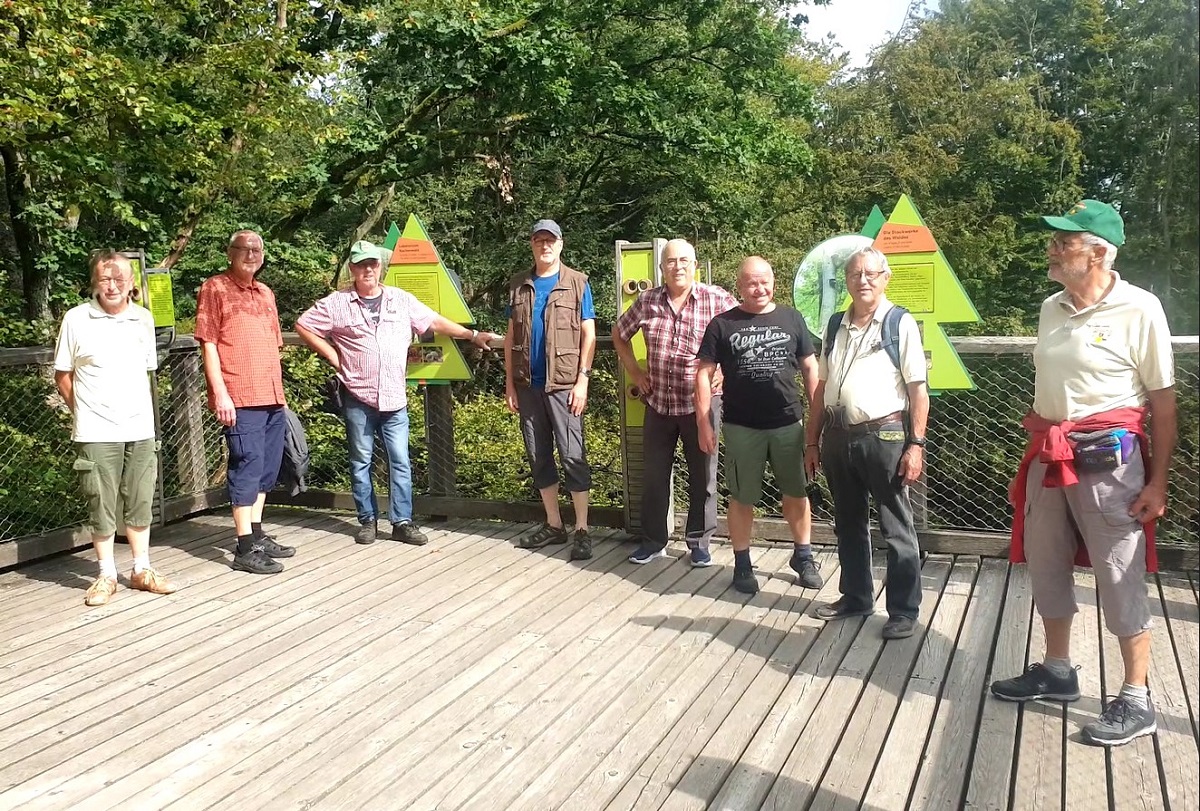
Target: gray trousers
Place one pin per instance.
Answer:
(546, 421)
(660, 435)
(859, 467)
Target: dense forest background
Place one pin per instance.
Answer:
(168, 124)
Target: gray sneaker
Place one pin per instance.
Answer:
(1120, 722)
(1038, 682)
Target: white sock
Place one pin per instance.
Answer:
(1136, 694)
(108, 568)
(1059, 667)
(141, 562)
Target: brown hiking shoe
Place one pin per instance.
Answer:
(99, 592)
(149, 580)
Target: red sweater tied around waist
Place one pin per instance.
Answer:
(1049, 444)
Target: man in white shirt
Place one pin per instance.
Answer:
(105, 349)
(872, 405)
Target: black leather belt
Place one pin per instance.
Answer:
(895, 418)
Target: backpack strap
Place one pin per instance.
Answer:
(890, 335)
(831, 331)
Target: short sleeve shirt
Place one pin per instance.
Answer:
(373, 357)
(108, 357)
(1102, 357)
(861, 378)
(241, 320)
(760, 355)
(672, 341)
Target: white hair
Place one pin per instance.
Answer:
(1110, 250)
(869, 252)
(243, 232)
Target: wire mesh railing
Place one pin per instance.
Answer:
(464, 442)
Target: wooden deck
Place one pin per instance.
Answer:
(469, 674)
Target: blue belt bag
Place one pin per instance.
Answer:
(1101, 451)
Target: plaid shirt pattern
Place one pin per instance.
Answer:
(374, 359)
(672, 341)
(243, 322)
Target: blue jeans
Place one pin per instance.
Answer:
(362, 423)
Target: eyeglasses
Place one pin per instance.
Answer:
(247, 250)
(678, 261)
(118, 281)
(869, 275)
(1060, 243)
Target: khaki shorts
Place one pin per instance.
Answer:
(1094, 512)
(112, 471)
(747, 451)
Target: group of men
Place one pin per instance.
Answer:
(1092, 482)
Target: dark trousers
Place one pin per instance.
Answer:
(660, 435)
(859, 467)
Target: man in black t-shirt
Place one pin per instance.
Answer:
(760, 348)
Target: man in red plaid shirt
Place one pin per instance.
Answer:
(672, 318)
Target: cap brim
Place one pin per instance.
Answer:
(1062, 224)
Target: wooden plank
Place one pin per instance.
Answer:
(942, 772)
(876, 718)
(930, 701)
(803, 777)
(1178, 749)
(349, 702)
(1086, 772)
(56, 731)
(398, 741)
(756, 637)
(1040, 743)
(946, 542)
(616, 666)
(219, 693)
(1182, 618)
(705, 695)
(1134, 766)
(990, 781)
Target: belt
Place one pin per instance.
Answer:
(871, 425)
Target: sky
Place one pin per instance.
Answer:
(858, 25)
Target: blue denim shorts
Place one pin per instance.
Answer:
(255, 452)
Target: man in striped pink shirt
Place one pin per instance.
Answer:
(364, 333)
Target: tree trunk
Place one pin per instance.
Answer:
(35, 280)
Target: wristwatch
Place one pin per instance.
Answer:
(585, 372)
(919, 441)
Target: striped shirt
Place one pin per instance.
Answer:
(373, 358)
(672, 341)
(243, 323)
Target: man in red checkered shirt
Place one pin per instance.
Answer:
(672, 318)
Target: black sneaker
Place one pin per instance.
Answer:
(256, 561)
(545, 535)
(582, 548)
(745, 581)
(808, 571)
(266, 544)
(408, 532)
(1120, 722)
(366, 533)
(1038, 682)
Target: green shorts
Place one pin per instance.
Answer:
(747, 451)
(117, 471)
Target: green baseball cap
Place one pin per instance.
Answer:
(363, 250)
(1093, 217)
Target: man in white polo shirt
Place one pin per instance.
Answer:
(105, 349)
(868, 430)
(1094, 477)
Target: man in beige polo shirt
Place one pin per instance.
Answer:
(1094, 479)
(868, 431)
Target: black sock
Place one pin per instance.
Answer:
(244, 543)
(803, 551)
(741, 560)
(256, 529)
